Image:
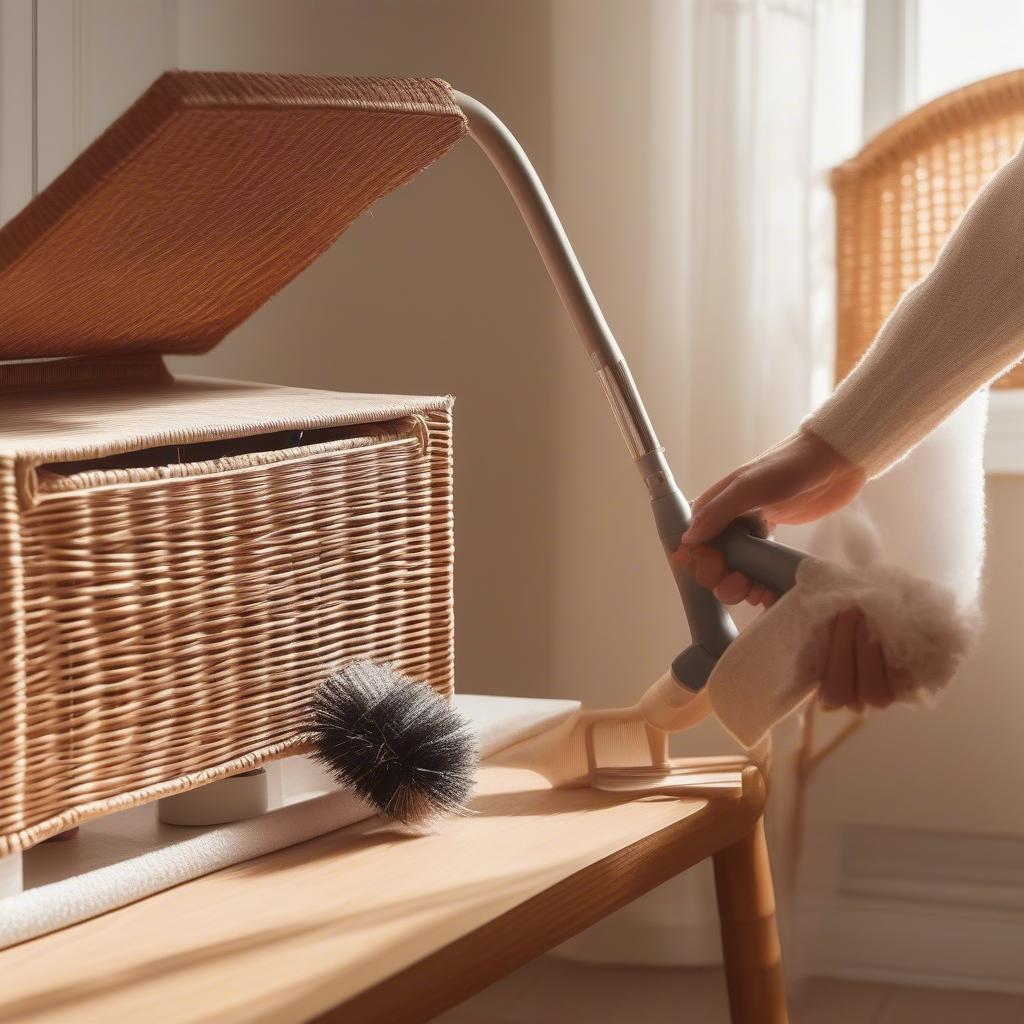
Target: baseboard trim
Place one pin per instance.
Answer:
(938, 945)
(941, 910)
(1004, 439)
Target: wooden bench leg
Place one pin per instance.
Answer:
(750, 938)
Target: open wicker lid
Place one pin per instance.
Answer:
(202, 200)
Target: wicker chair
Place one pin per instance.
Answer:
(899, 198)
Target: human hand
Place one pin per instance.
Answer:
(797, 481)
(851, 667)
(708, 567)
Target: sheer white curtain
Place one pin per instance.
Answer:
(691, 145)
(777, 100)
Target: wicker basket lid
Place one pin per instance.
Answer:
(202, 200)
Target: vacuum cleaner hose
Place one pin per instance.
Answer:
(711, 627)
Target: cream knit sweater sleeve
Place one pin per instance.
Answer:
(955, 331)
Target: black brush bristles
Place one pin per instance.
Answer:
(396, 743)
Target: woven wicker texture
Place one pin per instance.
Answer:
(165, 621)
(208, 195)
(183, 561)
(134, 404)
(901, 196)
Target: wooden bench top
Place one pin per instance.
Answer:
(369, 924)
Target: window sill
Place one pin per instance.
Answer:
(1004, 439)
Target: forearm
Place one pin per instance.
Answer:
(954, 332)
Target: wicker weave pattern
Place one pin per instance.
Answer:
(901, 196)
(175, 623)
(199, 203)
(13, 703)
(165, 617)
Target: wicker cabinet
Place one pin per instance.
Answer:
(183, 560)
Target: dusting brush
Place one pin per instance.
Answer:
(396, 743)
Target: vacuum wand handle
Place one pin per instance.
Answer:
(764, 561)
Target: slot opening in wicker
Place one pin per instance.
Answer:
(222, 455)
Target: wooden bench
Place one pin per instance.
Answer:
(370, 924)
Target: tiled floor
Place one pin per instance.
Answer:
(550, 990)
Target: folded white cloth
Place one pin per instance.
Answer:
(771, 668)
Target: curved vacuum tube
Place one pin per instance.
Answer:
(711, 627)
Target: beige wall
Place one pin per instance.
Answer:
(438, 290)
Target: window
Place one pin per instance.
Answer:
(951, 43)
(916, 50)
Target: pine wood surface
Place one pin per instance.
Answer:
(368, 924)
